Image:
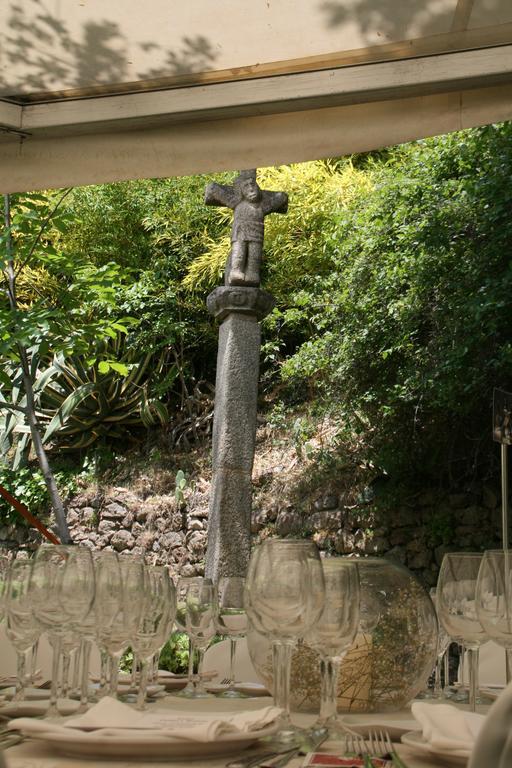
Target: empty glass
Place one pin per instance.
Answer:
(231, 622)
(46, 589)
(333, 634)
(456, 606)
(195, 601)
(120, 588)
(284, 597)
(494, 599)
(21, 627)
(157, 615)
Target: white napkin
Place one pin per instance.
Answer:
(111, 718)
(447, 729)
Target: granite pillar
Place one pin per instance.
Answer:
(239, 310)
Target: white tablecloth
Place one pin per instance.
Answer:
(33, 754)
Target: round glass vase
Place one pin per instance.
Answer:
(393, 653)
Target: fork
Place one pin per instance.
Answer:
(226, 681)
(380, 743)
(355, 743)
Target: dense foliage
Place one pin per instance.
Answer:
(392, 276)
(413, 321)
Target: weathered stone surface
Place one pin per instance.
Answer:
(122, 540)
(345, 542)
(459, 500)
(225, 300)
(114, 511)
(330, 501)
(288, 522)
(489, 497)
(234, 432)
(472, 515)
(89, 515)
(107, 526)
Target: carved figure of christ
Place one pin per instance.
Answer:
(250, 205)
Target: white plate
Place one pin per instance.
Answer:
(416, 741)
(37, 708)
(143, 745)
(31, 694)
(250, 689)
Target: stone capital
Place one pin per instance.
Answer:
(246, 301)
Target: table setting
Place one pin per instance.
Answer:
(341, 629)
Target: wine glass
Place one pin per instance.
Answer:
(201, 608)
(443, 643)
(232, 622)
(333, 634)
(45, 590)
(120, 586)
(158, 611)
(21, 627)
(284, 597)
(190, 585)
(494, 599)
(4, 575)
(76, 596)
(456, 603)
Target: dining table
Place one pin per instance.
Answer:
(32, 753)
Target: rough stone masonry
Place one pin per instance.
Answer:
(239, 305)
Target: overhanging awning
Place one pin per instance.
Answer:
(262, 86)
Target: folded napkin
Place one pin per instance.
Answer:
(111, 718)
(447, 729)
(493, 748)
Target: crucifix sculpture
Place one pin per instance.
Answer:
(239, 305)
(250, 205)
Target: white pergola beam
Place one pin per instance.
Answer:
(10, 116)
(270, 95)
(202, 147)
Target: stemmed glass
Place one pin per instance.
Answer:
(494, 599)
(284, 598)
(195, 615)
(456, 604)
(443, 643)
(231, 622)
(158, 611)
(45, 589)
(333, 634)
(21, 627)
(4, 575)
(120, 587)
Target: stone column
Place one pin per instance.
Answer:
(239, 311)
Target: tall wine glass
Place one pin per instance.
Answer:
(4, 575)
(333, 634)
(45, 588)
(494, 599)
(185, 586)
(443, 643)
(231, 622)
(76, 598)
(284, 597)
(120, 587)
(21, 627)
(159, 605)
(456, 604)
(201, 607)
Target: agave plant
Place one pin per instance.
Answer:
(79, 403)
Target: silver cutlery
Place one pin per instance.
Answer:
(280, 755)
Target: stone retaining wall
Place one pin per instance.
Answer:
(416, 532)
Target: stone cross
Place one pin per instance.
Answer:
(250, 205)
(239, 305)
